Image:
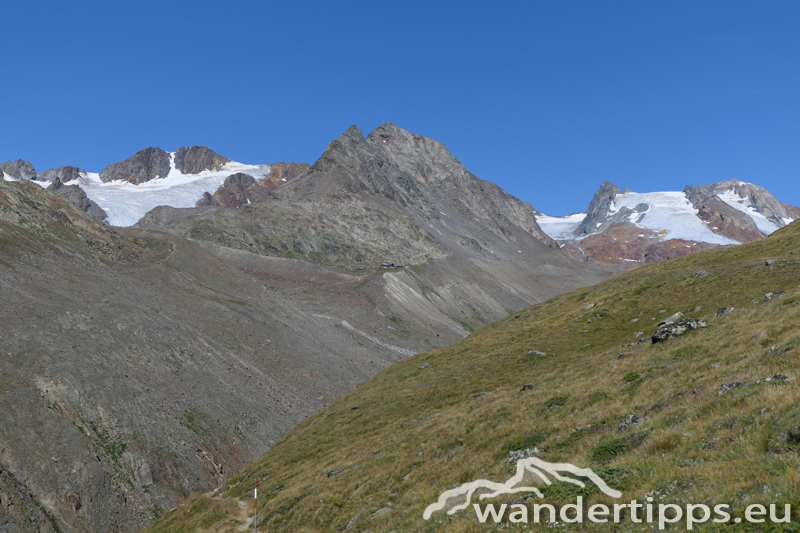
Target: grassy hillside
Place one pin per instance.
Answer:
(451, 416)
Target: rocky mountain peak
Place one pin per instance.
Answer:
(196, 159)
(353, 133)
(419, 177)
(19, 169)
(144, 165)
(598, 209)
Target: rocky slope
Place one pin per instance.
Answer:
(78, 197)
(626, 227)
(131, 368)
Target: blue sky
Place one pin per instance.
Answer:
(547, 99)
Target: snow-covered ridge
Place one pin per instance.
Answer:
(560, 228)
(671, 214)
(126, 203)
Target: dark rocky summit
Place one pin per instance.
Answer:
(196, 159)
(19, 169)
(144, 165)
(76, 195)
(598, 209)
(152, 163)
(64, 174)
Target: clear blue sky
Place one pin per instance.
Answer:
(548, 99)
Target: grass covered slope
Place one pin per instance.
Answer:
(376, 459)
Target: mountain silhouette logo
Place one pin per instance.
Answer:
(531, 473)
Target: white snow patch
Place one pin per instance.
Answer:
(670, 211)
(743, 204)
(560, 228)
(126, 203)
(9, 177)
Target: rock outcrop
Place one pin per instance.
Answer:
(676, 329)
(76, 195)
(197, 159)
(207, 199)
(19, 169)
(761, 200)
(719, 215)
(282, 173)
(237, 190)
(64, 174)
(144, 165)
(598, 209)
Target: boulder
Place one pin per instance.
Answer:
(519, 455)
(630, 420)
(676, 329)
(727, 387)
(773, 379)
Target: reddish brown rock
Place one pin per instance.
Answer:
(237, 190)
(720, 216)
(280, 173)
(624, 243)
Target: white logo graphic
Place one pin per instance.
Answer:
(530, 473)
